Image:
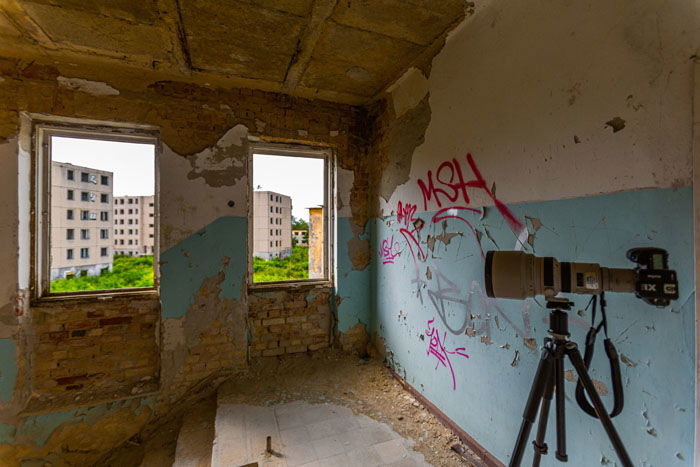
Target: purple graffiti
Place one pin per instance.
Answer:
(436, 348)
(389, 250)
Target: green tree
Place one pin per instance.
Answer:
(299, 224)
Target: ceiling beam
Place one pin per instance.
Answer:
(20, 19)
(171, 13)
(320, 12)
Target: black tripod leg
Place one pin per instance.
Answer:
(542, 375)
(539, 444)
(561, 414)
(577, 361)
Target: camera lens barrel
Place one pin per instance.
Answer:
(518, 275)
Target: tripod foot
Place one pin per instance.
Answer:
(561, 457)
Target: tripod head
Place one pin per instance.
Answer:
(558, 319)
(559, 303)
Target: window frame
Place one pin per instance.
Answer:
(43, 129)
(293, 150)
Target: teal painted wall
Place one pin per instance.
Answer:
(201, 256)
(8, 369)
(488, 393)
(353, 287)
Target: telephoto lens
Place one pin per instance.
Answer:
(518, 275)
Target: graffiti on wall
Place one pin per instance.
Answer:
(389, 250)
(436, 349)
(447, 191)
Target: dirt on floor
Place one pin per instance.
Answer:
(363, 385)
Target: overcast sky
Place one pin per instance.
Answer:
(133, 164)
(298, 177)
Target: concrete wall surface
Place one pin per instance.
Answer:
(562, 129)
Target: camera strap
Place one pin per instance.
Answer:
(611, 352)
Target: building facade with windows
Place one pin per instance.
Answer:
(134, 225)
(81, 220)
(272, 225)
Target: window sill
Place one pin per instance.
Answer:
(98, 295)
(290, 285)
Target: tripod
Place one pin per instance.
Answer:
(550, 375)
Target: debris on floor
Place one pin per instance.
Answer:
(365, 386)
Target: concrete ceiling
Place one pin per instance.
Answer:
(340, 50)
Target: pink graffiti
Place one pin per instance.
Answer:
(437, 349)
(410, 225)
(448, 187)
(389, 250)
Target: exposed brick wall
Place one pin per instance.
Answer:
(284, 322)
(93, 350)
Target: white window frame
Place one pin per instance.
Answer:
(289, 150)
(43, 128)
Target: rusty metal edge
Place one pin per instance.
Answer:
(489, 459)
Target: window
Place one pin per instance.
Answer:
(121, 221)
(300, 184)
(150, 205)
(150, 215)
(131, 231)
(131, 221)
(131, 211)
(103, 166)
(121, 242)
(121, 211)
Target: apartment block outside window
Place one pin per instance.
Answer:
(294, 188)
(120, 164)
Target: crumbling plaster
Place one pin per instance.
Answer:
(203, 200)
(557, 102)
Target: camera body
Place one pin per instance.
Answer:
(518, 275)
(655, 283)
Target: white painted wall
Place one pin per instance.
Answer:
(520, 79)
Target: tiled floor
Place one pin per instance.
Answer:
(306, 435)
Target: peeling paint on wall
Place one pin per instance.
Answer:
(225, 163)
(91, 87)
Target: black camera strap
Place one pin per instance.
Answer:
(615, 374)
